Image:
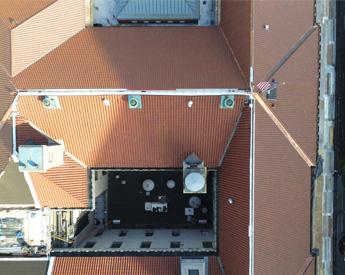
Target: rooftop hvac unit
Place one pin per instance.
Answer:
(40, 158)
(194, 265)
(51, 102)
(194, 175)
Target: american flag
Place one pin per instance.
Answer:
(264, 86)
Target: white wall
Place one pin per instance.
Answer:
(101, 184)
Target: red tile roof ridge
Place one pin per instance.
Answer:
(258, 97)
(281, 62)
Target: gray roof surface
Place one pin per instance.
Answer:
(23, 267)
(13, 187)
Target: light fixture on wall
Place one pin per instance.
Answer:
(231, 200)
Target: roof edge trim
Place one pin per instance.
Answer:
(232, 134)
(99, 92)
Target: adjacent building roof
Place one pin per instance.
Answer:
(14, 12)
(137, 58)
(161, 134)
(14, 190)
(124, 265)
(65, 186)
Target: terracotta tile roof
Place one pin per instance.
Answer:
(123, 266)
(288, 21)
(137, 58)
(282, 202)
(297, 100)
(236, 25)
(233, 180)
(60, 187)
(282, 179)
(161, 134)
(15, 12)
(5, 144)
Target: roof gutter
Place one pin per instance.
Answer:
(14, 123)
(101, 92)
(51, 265)
(251, 188)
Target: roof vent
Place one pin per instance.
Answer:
(40, 158)
(51, 102)
(194, 175)
(194, 266)
(227, 102)
(134, 102)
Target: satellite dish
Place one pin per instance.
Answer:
(148, 185)
(195, 182)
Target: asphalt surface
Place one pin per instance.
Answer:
(339, 143)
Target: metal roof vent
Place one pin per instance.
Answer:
(134, 102)
(194, 175)
(227, 102)
(194, 265)
(51, 102)
(40, 158)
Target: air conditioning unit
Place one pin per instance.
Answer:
(51, 102)
(194, 175)
(194, 265)
(40, 158)
(134, 102)
(227, 102)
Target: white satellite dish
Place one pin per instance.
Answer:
(195, 182)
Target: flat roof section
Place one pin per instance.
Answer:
(13, 187)
(137, 58)
(24, 267)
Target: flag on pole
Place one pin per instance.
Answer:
(264, 86)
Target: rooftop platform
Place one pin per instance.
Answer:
(137, 58)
